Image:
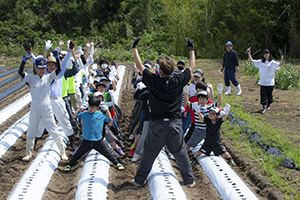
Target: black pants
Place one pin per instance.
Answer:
(86, 146)
(189, 133)
(167, 133)
(266, 96)
(70, 113)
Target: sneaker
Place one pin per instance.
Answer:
(67, 168)
(120, 160)
(191, 185)
(119, 166)
(135, 158)
(264, 111)
(131, 137)
(120, 152)
(192, 160)
(131, 153)
(135, 183)
(231, 162)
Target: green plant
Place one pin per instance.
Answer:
(287, 77)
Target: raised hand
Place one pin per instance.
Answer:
(189, 43)
(71, 44)
(61, 42)
(136, 41)
(220, 88)
(281, 52)
(27, 46)
(48, 44)
(226, 109)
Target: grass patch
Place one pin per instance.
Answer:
(268, 165)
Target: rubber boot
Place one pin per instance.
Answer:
(29, 149)
(227, 90)
(60, 144)
(239, 92)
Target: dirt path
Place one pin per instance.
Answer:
(63, 185)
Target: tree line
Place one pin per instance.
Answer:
(163, 24)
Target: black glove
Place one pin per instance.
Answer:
(27, 46)
(71, 45)
(281, 52)
(55, 53)
(136, 41)
(189, 43)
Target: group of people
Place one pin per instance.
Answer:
(79, 93)
(174, 108)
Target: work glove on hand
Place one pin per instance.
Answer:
(226, 109)
(281, 52)
(196, 107)
(136, 41)
(71, 44)
(55, 53)
(48, 45)
(80, 50)
(61, 42)
(189, 43)
(220, 88)
(27, 53)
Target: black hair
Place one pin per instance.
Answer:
(94, 101)
(201, 85)
(264, 59)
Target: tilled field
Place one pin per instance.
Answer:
(63, 185)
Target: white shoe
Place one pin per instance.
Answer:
(60, 144)
(239, 92)
(135, 158)
(227, 90)
(29, 149)
(131, 137)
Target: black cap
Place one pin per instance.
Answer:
(266, 51)
(102, 60)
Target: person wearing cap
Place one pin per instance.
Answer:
(57, 102)
(165, 124)
(212, 142)
(267, 68)
(231, 66)
(41, 115)
(180, 65)
(203, 107)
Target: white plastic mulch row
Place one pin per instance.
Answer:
(93, 182)
(34, 182)
(13, 108)
(224, 179)
(162, 181)
(10, 136)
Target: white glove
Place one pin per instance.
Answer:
(220, 88)
(80, 50)
(182, 109)
(48, 45)
(140, 86)
(94, 73)
(91, 79)
(196, 107)
(226, 109)
(222, 113)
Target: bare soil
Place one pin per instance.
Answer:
(63, 185)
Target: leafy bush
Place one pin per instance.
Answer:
(250, 69)
(287, 77)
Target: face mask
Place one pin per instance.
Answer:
(180, 67)
(104, 66)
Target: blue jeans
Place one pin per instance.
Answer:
(229, 75)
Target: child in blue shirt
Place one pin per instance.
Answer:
(93, 126)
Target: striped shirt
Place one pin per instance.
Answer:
(204, 110)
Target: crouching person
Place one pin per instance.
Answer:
(92, 123)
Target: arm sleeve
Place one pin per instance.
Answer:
(257, 63)
(78, 116)
(21, 69)
(83, 59)
(106, 118)
(236, 59)
(33, 57)
(73, 71)
(58, 69)
(65, 60)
